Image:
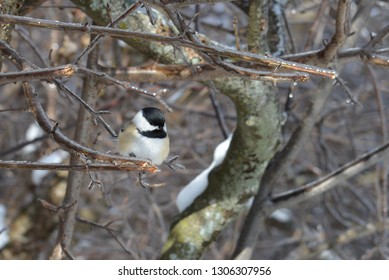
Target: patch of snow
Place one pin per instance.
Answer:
(4, 238)
(55, 157)
(197, 186)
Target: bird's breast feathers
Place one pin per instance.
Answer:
(154, 149)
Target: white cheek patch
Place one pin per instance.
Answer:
(141, 123)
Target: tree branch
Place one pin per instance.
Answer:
(210, 50)
(96, 39)
(38, 74)
(329, 181)
(341, 32)
(29, 165)
(182, 3)
(84, 135)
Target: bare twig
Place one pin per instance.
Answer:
(219, 114)
(126, 85)
(332, 48)
(181, 3)
(68, 254)
(343, 84)
(84, 135)
(172, 164)
(382, 182)
(317, 25)
(359, 53)
(60, 210)
(211, 50)
(96, 114)
(111, 231)
(366, 53)
(341, 32)
(270, 76)
(96, 39)
(12, 54)
(21, 145)
(38, 74)
(145, 184)
(202, 72)
(329, 181)
(129, 87)
(377, 38)
(61, 248)
(30, 165)
(23, 34)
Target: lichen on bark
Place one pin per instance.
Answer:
(237, 179)
(11, 7)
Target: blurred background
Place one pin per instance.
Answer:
(345, 223)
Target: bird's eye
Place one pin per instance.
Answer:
(122, 130)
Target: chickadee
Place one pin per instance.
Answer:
(145, 136)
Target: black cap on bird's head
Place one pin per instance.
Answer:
(154, 116)
(150, 122)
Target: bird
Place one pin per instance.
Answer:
(145, 136)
